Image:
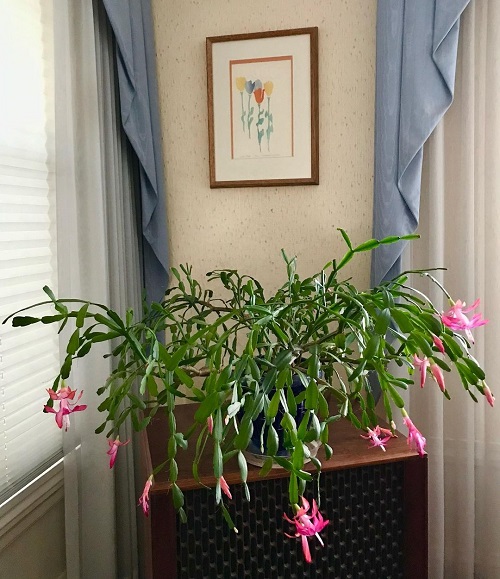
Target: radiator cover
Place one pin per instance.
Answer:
(365, 537)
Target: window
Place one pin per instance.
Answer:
(29, 357)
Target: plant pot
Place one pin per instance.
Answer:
(256, 450)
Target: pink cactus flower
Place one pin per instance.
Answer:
(415, 439)
(378, 436)
(114, 445)
(210, 424)
(456, 319)
(439, 344)
(65, 397)
(422, 364)
(225, 487)
(307, 526)
(489, 396)
(144, 498)
(437, 374)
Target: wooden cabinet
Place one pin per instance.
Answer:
(376, 503)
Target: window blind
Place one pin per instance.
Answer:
(29, 357)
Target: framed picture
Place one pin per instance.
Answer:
(263, 108)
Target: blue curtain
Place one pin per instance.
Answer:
(133, 29)
(416, 59)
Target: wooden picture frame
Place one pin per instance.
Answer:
(263, 108)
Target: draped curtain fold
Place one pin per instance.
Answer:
(416, 64)
(416, 58)
(133, 28)
(459, 230)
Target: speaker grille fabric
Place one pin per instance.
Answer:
(364, 537)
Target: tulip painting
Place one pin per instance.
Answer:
(240, 85)
(262, 91)
(259, 91)
(249, 87)
(268, 89)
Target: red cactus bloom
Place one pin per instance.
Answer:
(225, 487)
(489, 396)
(113, 449)
(456, 319)
(307, 526)
(415, 439)
(439, 344)
(378, 436)
(67, 405)
(437, 374)
(422, 364)
(144, 498)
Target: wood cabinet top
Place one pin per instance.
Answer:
(349, 451)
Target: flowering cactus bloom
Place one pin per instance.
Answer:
(224, 487)
(437, 374)
(65, 397)
(439, 344)
(378, 436)
(144, 498)
(307, 525)
(415, 439)
(210, 424)
(422, 364)
(489, 396)
(456, 319)
(114, 445)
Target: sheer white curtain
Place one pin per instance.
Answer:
(459, 227)
(98, 257)
(89, 485)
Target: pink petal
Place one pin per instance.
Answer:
(305, 549)
(59, 418)
(114, 445)
(415, 439)
(437, 373)
(422, 365)
(225, 487)
(210, 424)
(112, 452)
(472, 307)
(489, 396)
(144, 498)
(439, 344)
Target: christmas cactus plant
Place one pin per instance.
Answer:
(296, 361)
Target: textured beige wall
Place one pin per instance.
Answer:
(39, 552)
(245, 228)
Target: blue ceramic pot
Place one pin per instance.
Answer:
(260, 423)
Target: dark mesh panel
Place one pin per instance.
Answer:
(363, 539)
